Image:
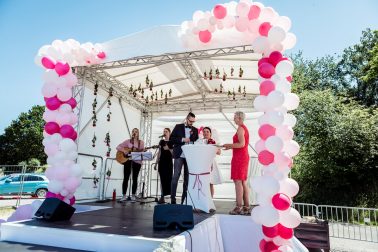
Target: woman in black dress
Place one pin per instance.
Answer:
(165, 164)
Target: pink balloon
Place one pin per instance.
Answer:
(264, 29)
(281, 201)
(275, 57)
(62, 69)
(284, 232)
(72, 200)
(47, 63)
(265, 157)
(254, 12)
(283, 159)
(289, 78)
(101, 55)
(67, 131)
(204, 36)
(72, 102)
(263, 60)
(262, 244)
(53, 103)
(260, 146)
(219, 11)
(52, 128)
(266, 131)
(266, 70)
(270, 232)
(266, 87)
(51, 195)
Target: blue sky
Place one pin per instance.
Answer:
(321, 26)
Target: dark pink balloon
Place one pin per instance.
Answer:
(50, 195)
(254, 12)
(53, 103)
(270, 232)
(289, 78)
(263, 60)
(281, 201)
(264, 29)
(204, 36)
(74, 136)
(72, 200)
(266, 130)
(262, 244)
(266, 87)
(275, 57)
(219, 11)
(101, 55)
(47, 63)
(62, 68)
(270, 246)
(67, 131)
(72, 102)
(284, 232)
(266, 70)
(265, 157)
(52, 128)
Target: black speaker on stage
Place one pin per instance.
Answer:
(170, 216)
(53, 209)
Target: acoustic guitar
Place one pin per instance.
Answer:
(122, 158)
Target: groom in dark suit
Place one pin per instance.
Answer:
(182, 134)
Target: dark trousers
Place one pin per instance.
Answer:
(128, 167)
(177, 167)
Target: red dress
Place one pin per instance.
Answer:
(240, 158)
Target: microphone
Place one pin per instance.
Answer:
(161, 136)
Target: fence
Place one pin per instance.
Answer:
(354, 223)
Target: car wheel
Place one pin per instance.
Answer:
(41, 193)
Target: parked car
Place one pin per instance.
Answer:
(34, 184)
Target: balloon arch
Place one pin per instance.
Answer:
(227, 24)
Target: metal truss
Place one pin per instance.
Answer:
(194, 76)
(171, 57)
(78, 94)
(146, 134)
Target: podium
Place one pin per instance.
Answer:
(199, 158)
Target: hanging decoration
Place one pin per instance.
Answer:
(107, 142)
(94, 140)
(109, 104)
(241, 72)
(94, 164)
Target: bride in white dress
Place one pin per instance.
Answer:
(215, 175)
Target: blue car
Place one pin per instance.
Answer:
(34, 184)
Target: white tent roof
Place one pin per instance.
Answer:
(158, 53)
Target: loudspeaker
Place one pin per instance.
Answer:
(53, 209)
(168, 216)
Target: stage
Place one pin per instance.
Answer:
(114, 226)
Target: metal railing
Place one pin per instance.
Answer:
(355, 223)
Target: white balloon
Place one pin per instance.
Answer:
(283, 22)
(197, 15)
(242, 9)
(260, 146)
(203, 24)
(76, 170)
(276, 34)
(291, 147)
(260, 44)
(254, 26)
(72, 155)
(289, 187)
(269, 216)
(50, 76)
(49, 90)
(67, 145)
(284, 86)
(274, 144)
(289, 41)
(291, 101)
(284, 132)
(63, 118)
(275, 118)
(290, 218)
(266, 185)
(275, 98)
(260, 103)
(49, 115)
(256, 214)
(65, 108)
(284, 68)
(64, 93)
(55, 186)
(263, 119)
(290, 120)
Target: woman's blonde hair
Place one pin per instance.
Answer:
(240, 114)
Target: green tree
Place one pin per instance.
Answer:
(22, 140)
(338, 161)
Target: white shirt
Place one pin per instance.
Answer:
(187, 135)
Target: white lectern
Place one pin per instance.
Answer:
(199, 158)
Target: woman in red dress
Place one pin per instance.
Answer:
(239, 165)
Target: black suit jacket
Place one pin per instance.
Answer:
(177, 135)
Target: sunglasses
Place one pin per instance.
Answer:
(191, 121)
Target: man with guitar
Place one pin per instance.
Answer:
(131, 145)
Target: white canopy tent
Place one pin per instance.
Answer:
(158, 54)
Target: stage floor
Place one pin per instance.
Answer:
(130, 219)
